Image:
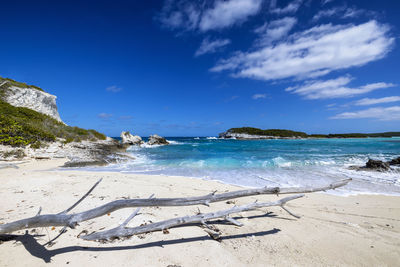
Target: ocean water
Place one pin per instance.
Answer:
(255, 163)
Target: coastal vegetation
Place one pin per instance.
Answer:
(290, 133)
(269, 132)
(7, 82)
(20, 127)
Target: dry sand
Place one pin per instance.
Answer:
(361, 230)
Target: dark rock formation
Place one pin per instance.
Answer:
(377, 165)
(395, 161)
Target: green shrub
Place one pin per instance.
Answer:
(98, 135)
(17, 153)
(289, 133)
(11, 82)
(68, 140)
(36, 145)
(22, 126)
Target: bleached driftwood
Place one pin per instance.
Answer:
(71, 220)
(122, 231)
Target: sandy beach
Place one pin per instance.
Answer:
(356, 230)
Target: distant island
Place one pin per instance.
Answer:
(251, 133)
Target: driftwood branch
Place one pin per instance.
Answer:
(199, 218)
(82, 198)
(71, 220)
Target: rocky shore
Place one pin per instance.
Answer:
(81, 154)
(84, 153)
(379, 165)
(31, 128)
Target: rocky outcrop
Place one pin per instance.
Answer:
(129, 139)
(98, 153)
(31, 98)
(395, 162)
(80, 154)
(157, 140)
(378, 165)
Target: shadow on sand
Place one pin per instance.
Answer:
(40, 251)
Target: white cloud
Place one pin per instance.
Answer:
(208, 46)
(311, 53)
(334, 88)
(192, 15)
(374, 101)
(275, 30)
(292, 7)
(324, 2)
(104, 115)
(179, 14)
(259, 96)
(380, 113)
(113, 89)
(227, 13)
(340, 11)
(327, 13)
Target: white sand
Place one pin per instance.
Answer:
(358, 230)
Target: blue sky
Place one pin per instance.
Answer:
(196, 68)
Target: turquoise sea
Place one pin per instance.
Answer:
(257, 163)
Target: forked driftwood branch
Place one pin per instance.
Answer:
(71, 220)
(199, 218)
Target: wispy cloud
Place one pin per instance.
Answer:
(191, 15)
(104, 115)
(374, 101)
(339, 11)
(208, 46)
(292, 7)
(380, 113)
(275, 30)
(259, 96)
(311, 53)
(180, 14)
(113, 89)
(228, 13)
(324, 2)
(334, 88)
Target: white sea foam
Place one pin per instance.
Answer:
(211, 138)
(172, 142)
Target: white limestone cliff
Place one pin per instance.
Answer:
(31, 98)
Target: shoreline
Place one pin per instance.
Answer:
(344, 194)
(363, 229)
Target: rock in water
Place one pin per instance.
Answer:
(128, 138)
(157, 140)
(395, 161)
(377, 165)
